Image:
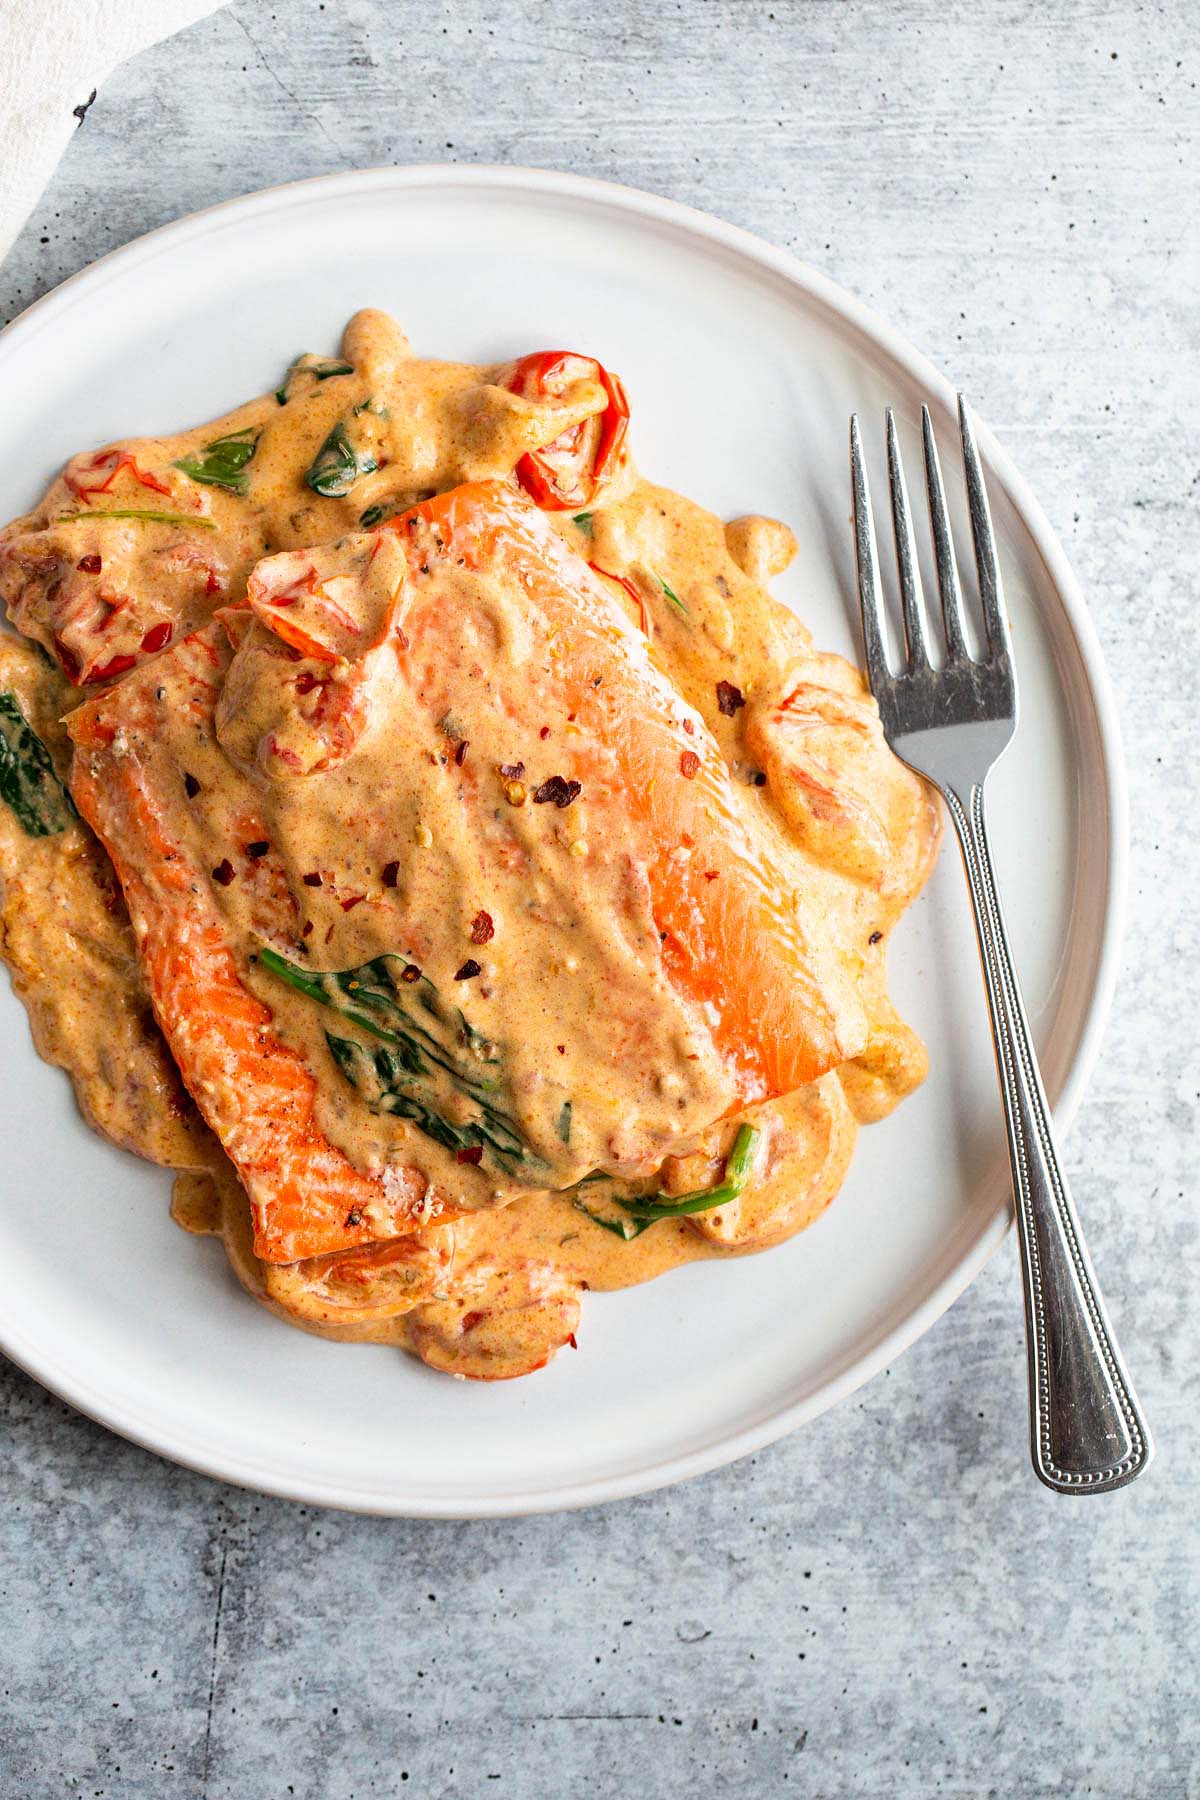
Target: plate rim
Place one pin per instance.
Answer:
(149, 1431)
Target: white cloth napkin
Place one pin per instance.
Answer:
(53, 53)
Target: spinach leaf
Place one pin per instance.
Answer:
(386, 1079)
(424, 1064)
(338, 465)
(644, 1210)
(320, 367)
(222, 463)
(28, 783)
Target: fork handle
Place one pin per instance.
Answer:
(1087, 1433)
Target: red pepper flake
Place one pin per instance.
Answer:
(312, 879)
(711, 874)
(158, 637)
(571, 1341)
(307, 931)
(305, 683)
(544, 732)
(469, 970)
(191, 786)
(460, 752)
(410, 973)
(512, 771)
(212, 583)
(89, 565)
(258, 848)
(561, 1048)
(558, 789)
(875, 937)
(391, 874)
(689, 727)
(223, 872)
(353, 1218)
(354, 900)
(689, 763)
(329, 934)
(482, 928)
(729, 698)
(474, 1155)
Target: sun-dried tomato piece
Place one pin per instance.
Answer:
(558, 789)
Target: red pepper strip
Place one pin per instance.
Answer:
(299, 640)
(540, 482)
(118, 666)
(614, 423)
(549, 372)
(633, 592)
(69, 661)
(121, 459)
(158, 637)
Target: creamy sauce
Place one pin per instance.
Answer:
(849, 832)
(65, 936)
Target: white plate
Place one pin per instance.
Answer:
(743, 366)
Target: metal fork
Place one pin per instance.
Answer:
(950, 724)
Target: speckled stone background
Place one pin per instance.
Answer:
(886, 1604)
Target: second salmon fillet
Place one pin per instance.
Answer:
(442, 889)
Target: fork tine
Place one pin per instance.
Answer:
(868, 565)
(991, 591)
(906, 553)
(943, 547)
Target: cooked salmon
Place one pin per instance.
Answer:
(261, 789)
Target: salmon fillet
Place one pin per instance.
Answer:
(734, 933)
(320, 703)
(255, 1092)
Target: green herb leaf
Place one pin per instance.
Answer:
(136, 512)
(338, 465)
(564, 1122)
(374, 407)
(673, 597)
(385, 1081)
(222, 463)
(424, 1065)
(28, 783)
(320, 367)
(645, 1210)
(622, 1228)
(584, 522)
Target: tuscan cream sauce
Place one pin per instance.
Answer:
(850, 833)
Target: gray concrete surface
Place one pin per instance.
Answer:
(885, 1605)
